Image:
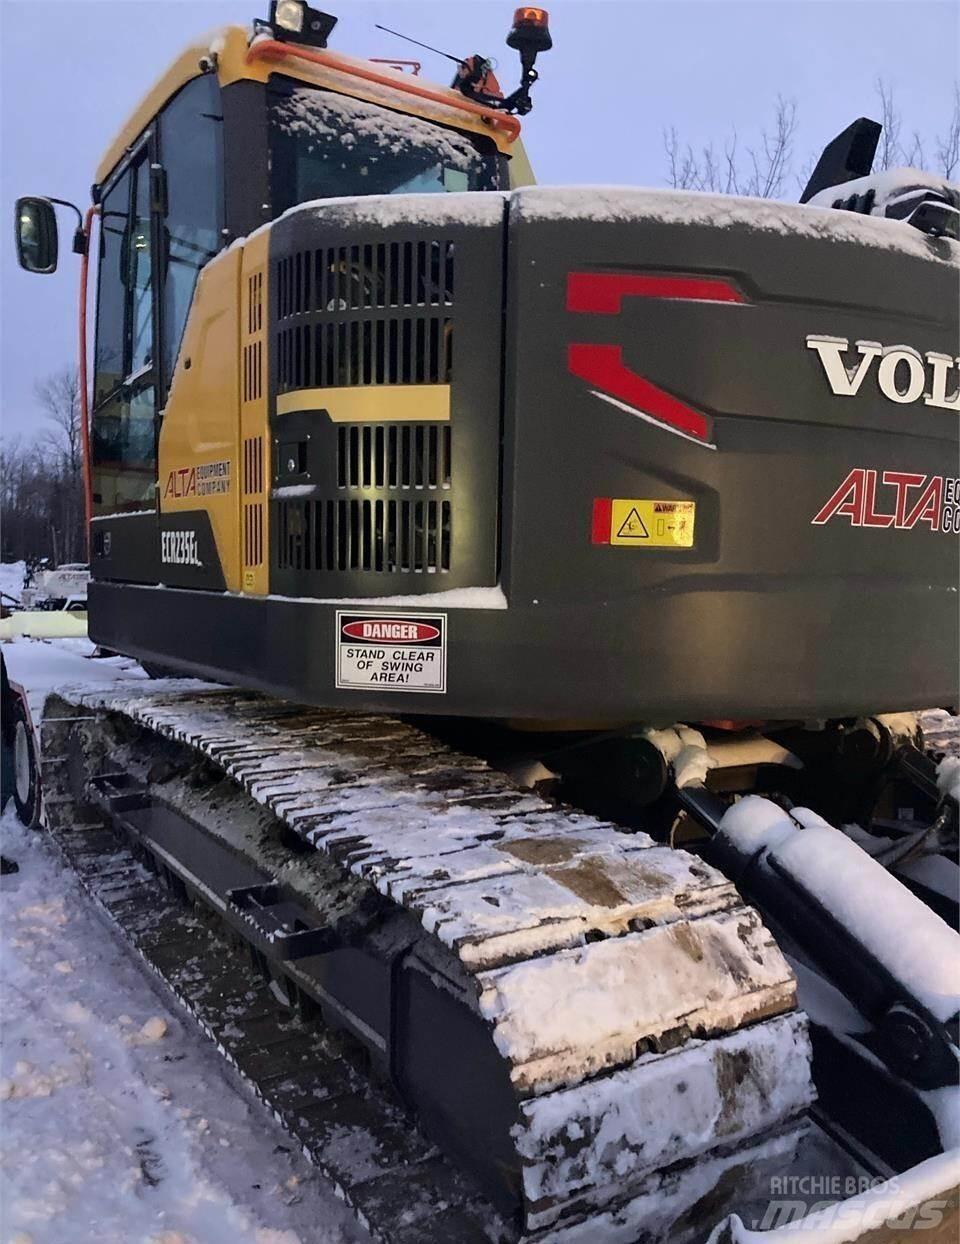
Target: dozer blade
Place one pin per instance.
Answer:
(594, 1027)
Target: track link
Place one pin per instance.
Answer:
(643, 1016)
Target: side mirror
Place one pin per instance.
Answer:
(36, 232)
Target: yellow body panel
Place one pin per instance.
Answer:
(230, 46)
(199, 452)
(254, 430)
(394, 403)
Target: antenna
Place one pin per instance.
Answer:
(457, 60)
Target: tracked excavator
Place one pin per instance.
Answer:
(547, 797)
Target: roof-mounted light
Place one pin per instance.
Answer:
(531, 31)
(295, 22)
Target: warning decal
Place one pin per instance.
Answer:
(392, 652)
(644, 524)
(633, 527)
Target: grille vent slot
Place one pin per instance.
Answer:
(255, 303)
(253, 511)
(253, 351)
(388, 537)
(253, 464)
(394, 456)
(253, 535)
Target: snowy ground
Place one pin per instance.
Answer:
(119, 1124)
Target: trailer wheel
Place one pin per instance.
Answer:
(26, 777)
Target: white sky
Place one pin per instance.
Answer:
(620, 71)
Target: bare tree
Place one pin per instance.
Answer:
(41, 480)
(895, 151)
(59, 395)
(760, 170)
(766, 169)
(948, 144)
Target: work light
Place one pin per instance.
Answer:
(296, 22)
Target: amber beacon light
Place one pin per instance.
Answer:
(531, 31)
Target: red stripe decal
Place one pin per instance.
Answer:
(602, 293)
(603, 367)
(600, 527)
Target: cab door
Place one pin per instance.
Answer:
(124, 419)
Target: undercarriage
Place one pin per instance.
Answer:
(596, 1035)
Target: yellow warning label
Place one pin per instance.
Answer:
(652, 524)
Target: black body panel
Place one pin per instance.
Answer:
(126, 547)
(546, 663)
(768, 614)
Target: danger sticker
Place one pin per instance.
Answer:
(643, 523)
(389, 652)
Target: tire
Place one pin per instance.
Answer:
(26, 773)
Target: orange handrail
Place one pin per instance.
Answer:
(82, 375)
(273, 49)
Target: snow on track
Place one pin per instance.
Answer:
(119, 1123)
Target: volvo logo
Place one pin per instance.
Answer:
(901, 373)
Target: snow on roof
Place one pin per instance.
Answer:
(610, 204)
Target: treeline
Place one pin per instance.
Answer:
(41, 481)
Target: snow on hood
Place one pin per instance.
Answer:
(616, 204)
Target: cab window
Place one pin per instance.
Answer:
(124, 416)
(191, 137)
(161, 221)
(324, 145)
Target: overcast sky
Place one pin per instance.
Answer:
(620, 71)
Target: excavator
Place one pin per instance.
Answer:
(546, 795)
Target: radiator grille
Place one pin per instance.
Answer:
(351, 337)
(355, 352)
(381, 536)
(357, 278)
(371, 494)
(394, 456)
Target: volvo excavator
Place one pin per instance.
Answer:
(547, 795)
